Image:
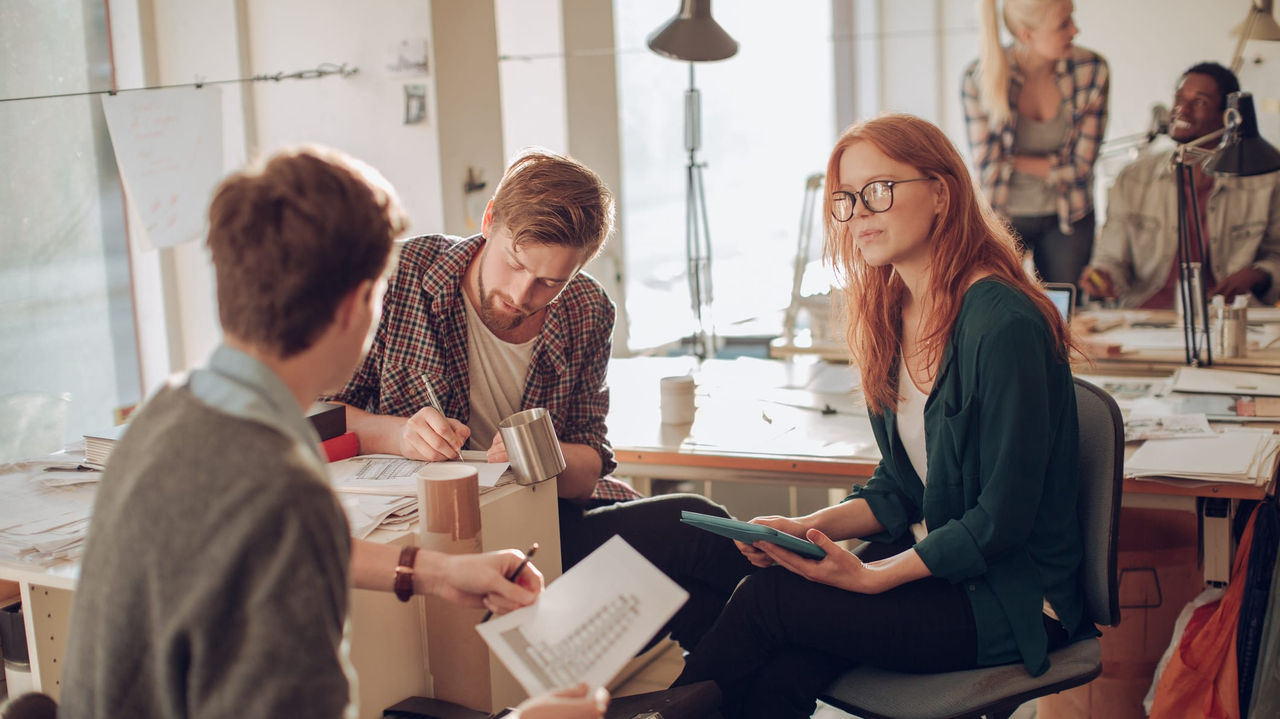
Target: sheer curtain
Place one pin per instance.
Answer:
(68, 352)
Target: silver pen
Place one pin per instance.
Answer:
(435, 403)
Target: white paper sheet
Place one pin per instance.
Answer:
(1235, 455)
(391, 475)
(588, 624)
(1167, 426)
(168, 145)
(1218, 381)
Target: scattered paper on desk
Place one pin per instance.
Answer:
(588, 624)
(1144, 338)
(1218, 381)
(391, 475)
(1238, 454)
(367, 512)
(41, 524)
(1168, 426)
(1127, 388)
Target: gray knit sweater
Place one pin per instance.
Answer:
(214, 583)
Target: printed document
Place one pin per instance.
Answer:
(392, 475)
(588, 624)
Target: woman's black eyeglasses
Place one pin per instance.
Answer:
(877, 196)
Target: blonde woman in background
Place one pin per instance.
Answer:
(1035, 112)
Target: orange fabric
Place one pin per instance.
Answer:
(1201, 678)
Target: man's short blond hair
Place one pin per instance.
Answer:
(551, 199)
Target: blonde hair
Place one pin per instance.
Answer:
(993, 66)
(552, 199)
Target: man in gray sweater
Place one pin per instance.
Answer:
(216, 577)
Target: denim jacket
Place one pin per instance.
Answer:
(1139, 242)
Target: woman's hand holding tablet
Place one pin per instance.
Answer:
(748, 533)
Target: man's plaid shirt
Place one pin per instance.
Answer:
(423, 331)
(1084, 80)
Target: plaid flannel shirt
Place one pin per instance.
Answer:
(423, 332)
(1084, 80)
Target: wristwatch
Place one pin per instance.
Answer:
(404, 573)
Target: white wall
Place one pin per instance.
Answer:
(1150, 42)
(164, 42)
(362, 115)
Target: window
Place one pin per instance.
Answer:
(68, 355)
(768, 122)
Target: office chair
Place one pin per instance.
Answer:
(873, 693)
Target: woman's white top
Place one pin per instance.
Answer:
(911, 431)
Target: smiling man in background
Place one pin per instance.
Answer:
(1135, 257)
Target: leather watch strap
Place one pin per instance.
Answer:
(404, 573)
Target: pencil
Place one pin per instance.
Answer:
(1096, 278)
(519, 568)
(435, 403)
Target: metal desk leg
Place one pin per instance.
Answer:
(1217, 545)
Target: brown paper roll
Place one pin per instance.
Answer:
(449, 501)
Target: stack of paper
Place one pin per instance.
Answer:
(367, 512)
(1243, 455)
(1217, 381)
(42, 524)
(98, 445)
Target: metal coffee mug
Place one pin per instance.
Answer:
(532, 447)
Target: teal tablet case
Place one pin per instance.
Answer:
(748, 533)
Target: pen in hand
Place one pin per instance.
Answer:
(435, 403)
(514, 575)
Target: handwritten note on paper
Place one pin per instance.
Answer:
(588, 624)
(168, 144)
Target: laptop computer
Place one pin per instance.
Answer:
(1063, 296)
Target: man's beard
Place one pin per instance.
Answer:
(494, 318)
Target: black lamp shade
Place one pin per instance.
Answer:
(693, 35)
(1243, 152)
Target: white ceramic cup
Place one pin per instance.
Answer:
(677, 399)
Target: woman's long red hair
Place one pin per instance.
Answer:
(967, 238)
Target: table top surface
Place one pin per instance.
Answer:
(755, 414)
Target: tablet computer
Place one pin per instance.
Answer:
(748, 533)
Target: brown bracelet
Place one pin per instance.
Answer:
(404, 573)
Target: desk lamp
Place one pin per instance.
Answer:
(1244, 153)
(1259, 24)
(694, 36)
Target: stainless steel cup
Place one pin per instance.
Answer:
(532, 446)
(1233, 324)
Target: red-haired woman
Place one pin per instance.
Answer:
(974, 547)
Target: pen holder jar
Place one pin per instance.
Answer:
(532, 446)
(1232, 334)
(449, 507)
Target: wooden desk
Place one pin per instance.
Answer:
(757, 421)
(393, 643)
(1147, 361)
(724, 443)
